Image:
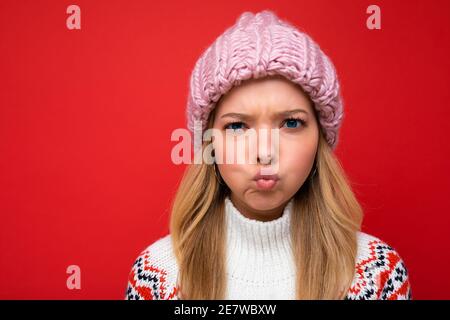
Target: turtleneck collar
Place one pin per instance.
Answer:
(258, 233)
(262, 245)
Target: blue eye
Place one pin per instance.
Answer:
(294, 123)
(291, 123)
(235, 126)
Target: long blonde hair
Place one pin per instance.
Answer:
(325, 218)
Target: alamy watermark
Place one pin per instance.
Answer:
(238, 146)
(74, 279)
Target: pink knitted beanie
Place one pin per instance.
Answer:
(260, 45)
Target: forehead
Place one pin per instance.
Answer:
(264, 95)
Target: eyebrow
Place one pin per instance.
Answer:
(244, 116)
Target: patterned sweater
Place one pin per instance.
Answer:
(260, 264)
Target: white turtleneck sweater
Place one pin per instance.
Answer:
(260, 265)
(259, 260)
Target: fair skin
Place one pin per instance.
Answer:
(261, 101)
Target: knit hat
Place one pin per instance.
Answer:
(260, 45)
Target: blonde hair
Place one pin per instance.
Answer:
(325, 219)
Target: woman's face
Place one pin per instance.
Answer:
(264, 104)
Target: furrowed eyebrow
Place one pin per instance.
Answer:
(291, 112)
(236, 115)
(244, 116)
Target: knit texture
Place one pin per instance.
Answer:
(260, 45)
(259, 264)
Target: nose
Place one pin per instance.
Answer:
(265, 159)
(267, 146)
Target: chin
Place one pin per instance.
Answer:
(265, 200)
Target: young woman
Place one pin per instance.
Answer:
(287, 225)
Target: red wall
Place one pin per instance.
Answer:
(86, 117)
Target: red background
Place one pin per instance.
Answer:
(86, 116)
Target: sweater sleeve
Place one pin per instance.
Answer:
(395, 283)
(153, 273)
(139, 287)
(380, 273)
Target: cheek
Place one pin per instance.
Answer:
(235, 176)
(219, 148)
(228, 149)
(297, 157)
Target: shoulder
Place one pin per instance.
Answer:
(153, 273)
(380, 272)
